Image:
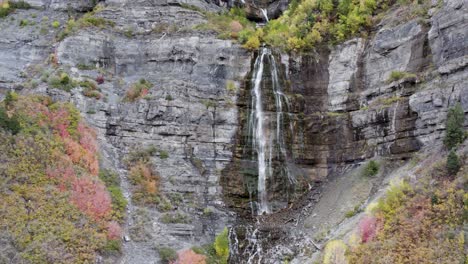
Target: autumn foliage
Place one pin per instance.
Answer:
(190, 257)
(53, 164)
(420, 222)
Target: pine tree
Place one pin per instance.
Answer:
(454, 127)
(453, 164)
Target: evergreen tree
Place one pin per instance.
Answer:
(453, 164)
(454, 127)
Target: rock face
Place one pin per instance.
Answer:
(271, 8)
(189, 114)
(344, 107)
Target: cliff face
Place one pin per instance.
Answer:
(344, 106)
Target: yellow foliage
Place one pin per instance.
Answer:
(335, 253)
(252, 43)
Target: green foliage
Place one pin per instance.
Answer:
(221, 245)
(62, 81)
(394, 199)
(9, 123)
(10, 98)
(311, 23)
(110, 178)
(24, 22)
(227, 25)
(252, 43)
(167, 255)
(191, 7)
(454, 134)
(355, 211)
(209, 103)
(398, 75)
(175, 218)
(231, 86)
(422, 223)
(20, 5)
(334, 252)
(8, 7)
(41, 212)
(112, 246)
(87, 20)
(143, 154)
(90, 89)
(55, 24)
(85, 67)
(163, 154)
(112, 182)
(371, 169)
(453, 163)
(138, 90)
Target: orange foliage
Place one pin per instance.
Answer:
(91, 197)
(190, 257)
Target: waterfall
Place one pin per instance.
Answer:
(259, 143)
(268, 142)
(249, 250)
(265, 14)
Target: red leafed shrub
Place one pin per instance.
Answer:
(114, 231)
(100, 79)
(64, 174)
(87, 137)
(368, 228)
(91, 197)
(190, 257)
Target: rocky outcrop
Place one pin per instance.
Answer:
(257, 9)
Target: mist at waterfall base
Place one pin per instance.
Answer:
(268, 124)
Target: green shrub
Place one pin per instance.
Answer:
(62, 81)
(109, 177)
(371, 169)
(167, 255)
(10, 98)
(221, 246)
(453, 163)
(23, 22)
(454, 133)
(112, 246)
(19, 5)
(87, 20)
(55, 24)
(119, 203)
(9, 123)
(398, 75)
(142, 155)
(175, 218)
(253, 43)
(227, 25)
(353, 212)
(163, 154)
(138, 90)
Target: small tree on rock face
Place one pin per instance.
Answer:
(453, 164)
(454, 127)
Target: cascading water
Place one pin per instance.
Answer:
(252, 251)
(265, 14)
(268, 141)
